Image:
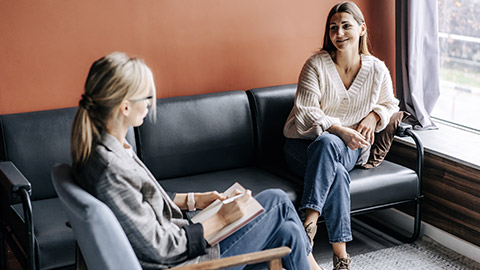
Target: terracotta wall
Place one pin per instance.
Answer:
(192, 46)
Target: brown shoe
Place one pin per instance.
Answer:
(311, 230)
(341, 263)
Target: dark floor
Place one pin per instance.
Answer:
(365, 239)
(12, 263)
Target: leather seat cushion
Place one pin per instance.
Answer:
(387, 183)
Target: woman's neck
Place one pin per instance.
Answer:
(347, 60)
(117, 130)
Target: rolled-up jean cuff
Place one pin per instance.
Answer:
(341, 240)
(311, 206)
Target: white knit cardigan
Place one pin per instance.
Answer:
(322, 99)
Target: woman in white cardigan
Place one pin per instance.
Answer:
(344, 96)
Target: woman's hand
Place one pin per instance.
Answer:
(227, 214)
(367, 126)
(234, 210)
(352, 138)
(204, 199)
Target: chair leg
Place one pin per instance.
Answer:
(417, 222)
(275, 264)
(398, 233)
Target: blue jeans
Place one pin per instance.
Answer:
(279, 225)
(324, 164)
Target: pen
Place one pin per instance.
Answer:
(231, 199)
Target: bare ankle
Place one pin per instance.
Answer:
(340, 250)
(311, 216)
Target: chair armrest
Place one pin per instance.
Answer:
(402, 128)
(405, 130)
(12, 182)
(15, 188)
(249, 258)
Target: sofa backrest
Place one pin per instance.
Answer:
(270, 108)
(197, 134)
(34, 141)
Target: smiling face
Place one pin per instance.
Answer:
(344, 32)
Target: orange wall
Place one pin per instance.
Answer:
(192, 46)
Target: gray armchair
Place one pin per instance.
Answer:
(97, 230)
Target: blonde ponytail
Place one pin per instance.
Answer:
(111, 79)
(83, 135)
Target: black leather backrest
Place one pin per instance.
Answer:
(197, 134)
(34, 141)
(270, 108)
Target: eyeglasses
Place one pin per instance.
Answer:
(148, 99)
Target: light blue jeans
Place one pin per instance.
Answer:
(279, 225)
(324, 164)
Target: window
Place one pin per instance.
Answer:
(459, 41)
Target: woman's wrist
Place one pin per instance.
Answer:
(376, 115)
(335, 129)
(181, 200)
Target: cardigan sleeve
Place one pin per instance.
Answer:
(387, 104)
(310, 119)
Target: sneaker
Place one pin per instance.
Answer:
(311, 230)
(341, 263)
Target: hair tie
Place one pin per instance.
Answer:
(86, 102)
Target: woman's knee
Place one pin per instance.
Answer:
(273, 198)
(291, 234)
(273, 194)
(342, 174)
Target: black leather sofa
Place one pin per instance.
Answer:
(197, 143)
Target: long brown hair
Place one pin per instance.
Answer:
(354, 10)
(111, 79)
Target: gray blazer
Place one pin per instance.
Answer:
(154, 225)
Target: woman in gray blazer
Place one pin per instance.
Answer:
(118, 94)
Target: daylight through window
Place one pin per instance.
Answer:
(459, 40)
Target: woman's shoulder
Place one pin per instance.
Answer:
(377, 64)
(319, 56)
(96, 165)
(112, 160)
(103, 169)
(101, 160)
(318, 61)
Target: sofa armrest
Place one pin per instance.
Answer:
(12, 182)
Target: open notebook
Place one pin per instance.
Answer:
(253, 209)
